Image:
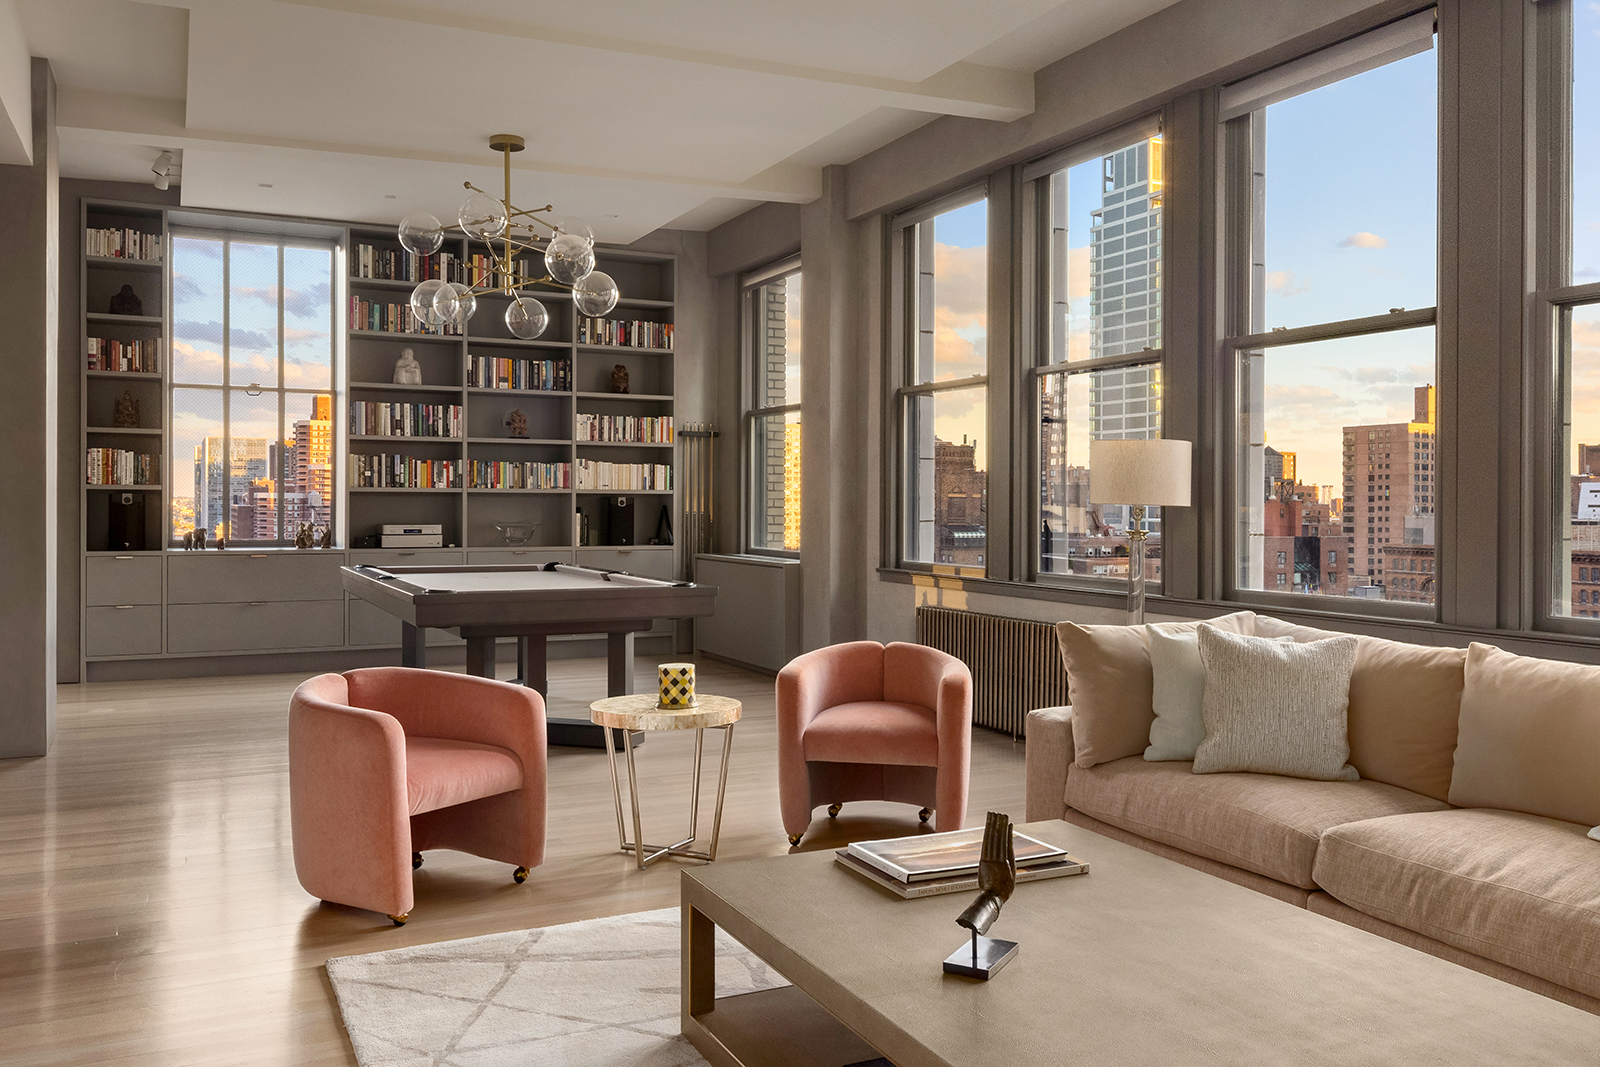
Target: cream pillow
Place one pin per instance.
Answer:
(1276, 708)
(1178, 690)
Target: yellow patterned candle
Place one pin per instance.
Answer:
(677, 685)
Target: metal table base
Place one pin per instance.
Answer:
(647, 854)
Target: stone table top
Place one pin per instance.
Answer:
(639, 712)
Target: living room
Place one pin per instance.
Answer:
(975, 410)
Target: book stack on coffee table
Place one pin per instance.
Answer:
(930, 864)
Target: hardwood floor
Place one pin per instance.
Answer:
(149, 912)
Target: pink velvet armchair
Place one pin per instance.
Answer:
(864, 721)
(387, 762)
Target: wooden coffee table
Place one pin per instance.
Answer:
(1142, 961)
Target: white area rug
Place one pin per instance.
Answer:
(599, 993)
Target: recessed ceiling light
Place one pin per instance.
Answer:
(264, 185)
(608, 216)
(388, 196)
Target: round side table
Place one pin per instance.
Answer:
(639, 712)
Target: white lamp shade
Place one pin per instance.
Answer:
(1153, 472)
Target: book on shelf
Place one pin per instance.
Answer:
(480, 271)
(120, 243)
(957, 883)
(118, 466)
(143, 357)
(528, 375)
(393, 318)
(605, 477)
(403, 472)
(391, 265)
(625, 333)
(495, 474)
(627, 429)
(373, 418)
(954, 852)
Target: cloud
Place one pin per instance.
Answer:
(961, 279)
(1286, 282)
(1078, 273)
(1364, 240)
(185, 288)
(1586, 272)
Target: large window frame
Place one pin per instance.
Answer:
(284, 393)
(1247, 340)
(756, 478)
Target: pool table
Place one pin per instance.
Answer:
(483, 603)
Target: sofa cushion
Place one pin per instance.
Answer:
(441, 773)
(1514, 888)
(1530, 737)
(1405, 701)
(1110, 686)
(874, 731)
(1259, 822)
(1275, 708)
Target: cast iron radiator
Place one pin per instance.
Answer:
(1015, 663)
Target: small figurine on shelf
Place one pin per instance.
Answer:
(222, 540)
(326, 540)
(407, 371)
(125, 415)
(302, 536)
(518, 421)
(126, 302)
(188, 541)
(199, 538)
(619, 379)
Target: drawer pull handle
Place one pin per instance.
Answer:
(258, 555)
(124, 557)
(408, 553)
(124, 607)
(257, 603)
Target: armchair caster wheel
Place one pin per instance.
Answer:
(834, 810)
(519, 875)
(922, 816)
(400, 920)
(794, 839)
(416, 860)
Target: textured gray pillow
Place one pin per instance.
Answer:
(1274, 708)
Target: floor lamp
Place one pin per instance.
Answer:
(1148, 472)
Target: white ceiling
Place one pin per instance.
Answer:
(638, 113)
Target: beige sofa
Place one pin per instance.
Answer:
(1466, 836)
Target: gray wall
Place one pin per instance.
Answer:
(29, 297)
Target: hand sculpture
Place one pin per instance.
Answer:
(997, 875)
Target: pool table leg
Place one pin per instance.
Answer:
(480, 656)
(535, 663)
(619, 664)
(413, 646)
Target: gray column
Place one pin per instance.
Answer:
(29, 302)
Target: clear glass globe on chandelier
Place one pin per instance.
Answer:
(454, 303)
(526, 317)
(568, 257)
(576, 227)
(421, 234)
(422, 302)
(482, 217)
(595, 294)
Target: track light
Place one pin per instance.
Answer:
(162, 168)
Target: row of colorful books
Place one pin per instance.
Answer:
(143, 357)
(638, 429)
(932, 864)
(392, 318)
(480, 271)
(623, 477)
(387, 264)
(492, 474)
(122, 244)
(628, 333)
(403, 472)
(491, 372)
(117, 466)
(379, 419)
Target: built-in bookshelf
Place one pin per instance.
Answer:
(544, 437)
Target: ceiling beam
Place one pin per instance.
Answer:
(16, 90)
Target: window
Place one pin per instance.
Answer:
(252, 387)
(1098, 215)
(1332, 280)
(772, 306)
(944, 413)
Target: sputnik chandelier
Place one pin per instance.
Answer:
(568, 249)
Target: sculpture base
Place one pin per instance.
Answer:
(981, 958)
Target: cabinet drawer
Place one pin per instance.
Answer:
(129, 631)
(112, 580)
(408, 557)
(225, 578)
(517, 557)
(255, 627)
(371, 625)
(652, 562)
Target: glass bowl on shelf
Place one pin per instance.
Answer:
(516, 533)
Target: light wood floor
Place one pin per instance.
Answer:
(149, 912)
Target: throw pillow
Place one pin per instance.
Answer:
(1177, 693)
(1109, 684)
(1530, 737)
(1274, 708)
